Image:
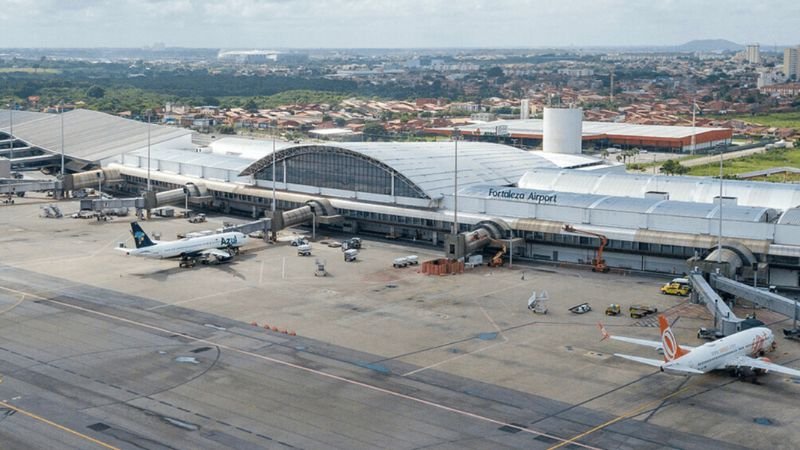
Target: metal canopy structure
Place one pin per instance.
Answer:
(780, 196)
(429, 166)
(89, 136)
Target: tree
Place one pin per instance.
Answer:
(340, 122)
(672, 167)
(625, 154)
(95, 92)
(251, 106)
(374, 130)
(604, 153)
(494, 72)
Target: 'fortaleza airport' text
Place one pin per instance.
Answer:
(519, 195)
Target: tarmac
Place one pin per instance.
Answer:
(103, 350)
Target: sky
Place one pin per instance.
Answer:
(393, 23)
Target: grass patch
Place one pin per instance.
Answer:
(778, 120)
(760, 161)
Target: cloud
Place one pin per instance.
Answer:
(390, 23)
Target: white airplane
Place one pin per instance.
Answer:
(740, 353)
(188, 249)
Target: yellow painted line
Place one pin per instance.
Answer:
(627, 415)
(321, 373)
(60, 427)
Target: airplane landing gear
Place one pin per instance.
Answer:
(188, 262)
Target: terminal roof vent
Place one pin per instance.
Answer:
(657, 194)
(726, 201)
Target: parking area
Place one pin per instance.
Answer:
(474, 325)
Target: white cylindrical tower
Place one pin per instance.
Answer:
(563, 128)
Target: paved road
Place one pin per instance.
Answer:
(84, 367)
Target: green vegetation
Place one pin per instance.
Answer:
(760, 161)
(672, 167)
(301, 96)
(779, 120)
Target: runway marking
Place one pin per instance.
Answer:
(627, 415)
(283, 269)
(261, 274)
(452, 359)
(60, 427)
(203, 297)
(21, 299)
(310, 370)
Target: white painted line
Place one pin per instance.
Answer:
(307, 370)
(181, 302)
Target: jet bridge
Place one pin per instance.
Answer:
(765, 299)
(724, 318)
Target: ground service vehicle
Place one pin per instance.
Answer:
(405, 261)
(350, 255)
(352, 243)
(304, 250)
(583, 308)
(199, 218)
(710, 334)
(639, 311)
(678, 286)
(613, 310)
(598, 263)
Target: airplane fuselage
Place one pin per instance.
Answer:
(190, 246)
(715, 355)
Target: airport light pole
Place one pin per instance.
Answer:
(456, 134)
(61, 115)
(148, 151)
(719, 242)
(694, 110)
(273, 172)
(11, 107)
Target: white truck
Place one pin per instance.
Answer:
(405, 261)
(350, 255)
(304, 250)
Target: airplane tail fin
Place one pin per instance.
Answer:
(140, 238)
(672, 350)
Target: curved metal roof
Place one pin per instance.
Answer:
(429, 165)
(688, 189)
(88, 135)
(653, 206)
(790, 217)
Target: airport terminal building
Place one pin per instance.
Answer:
(502, 196)
(407, 191)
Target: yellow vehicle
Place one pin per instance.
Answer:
(613, 310)
(674, 288)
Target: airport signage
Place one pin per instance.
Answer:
(525, 196)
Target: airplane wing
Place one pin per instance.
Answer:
(217, 253)
(648, 361)
(661, 364)
(755, 363)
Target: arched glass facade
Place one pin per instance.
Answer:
(338, 170)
